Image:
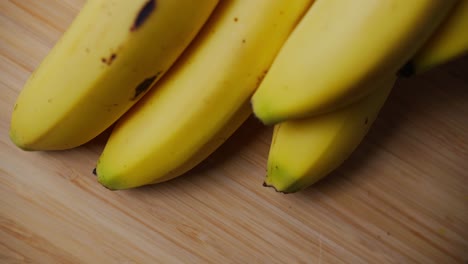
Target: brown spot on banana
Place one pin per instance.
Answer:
(145, 85)
(261, 76)
(109, 60)
(143, 14)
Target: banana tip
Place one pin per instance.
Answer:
(261, 112)
(407, 70)
(274, 188)
(101, 180)
(265, 119)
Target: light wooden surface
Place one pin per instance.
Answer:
(401, 198)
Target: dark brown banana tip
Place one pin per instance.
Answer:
(94, 172)
(407, 70)
(274, 188)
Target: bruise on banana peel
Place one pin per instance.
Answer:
(143, 14)
(261, 76)
(109, 60)
(145, 85)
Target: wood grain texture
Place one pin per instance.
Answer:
(402, 197)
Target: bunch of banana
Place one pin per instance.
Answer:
(107, 59)
(203, 99)
(304, 151)
(177, 78)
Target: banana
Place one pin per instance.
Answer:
(448, 42)
(179, 122)
(106, 60)
(304, 151)
(337, 48)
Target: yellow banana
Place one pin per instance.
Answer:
(337, 48)
(105, 61)
(448, 42)
(178, 123)
(304, 151)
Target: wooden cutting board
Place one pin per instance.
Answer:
(402, 197)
